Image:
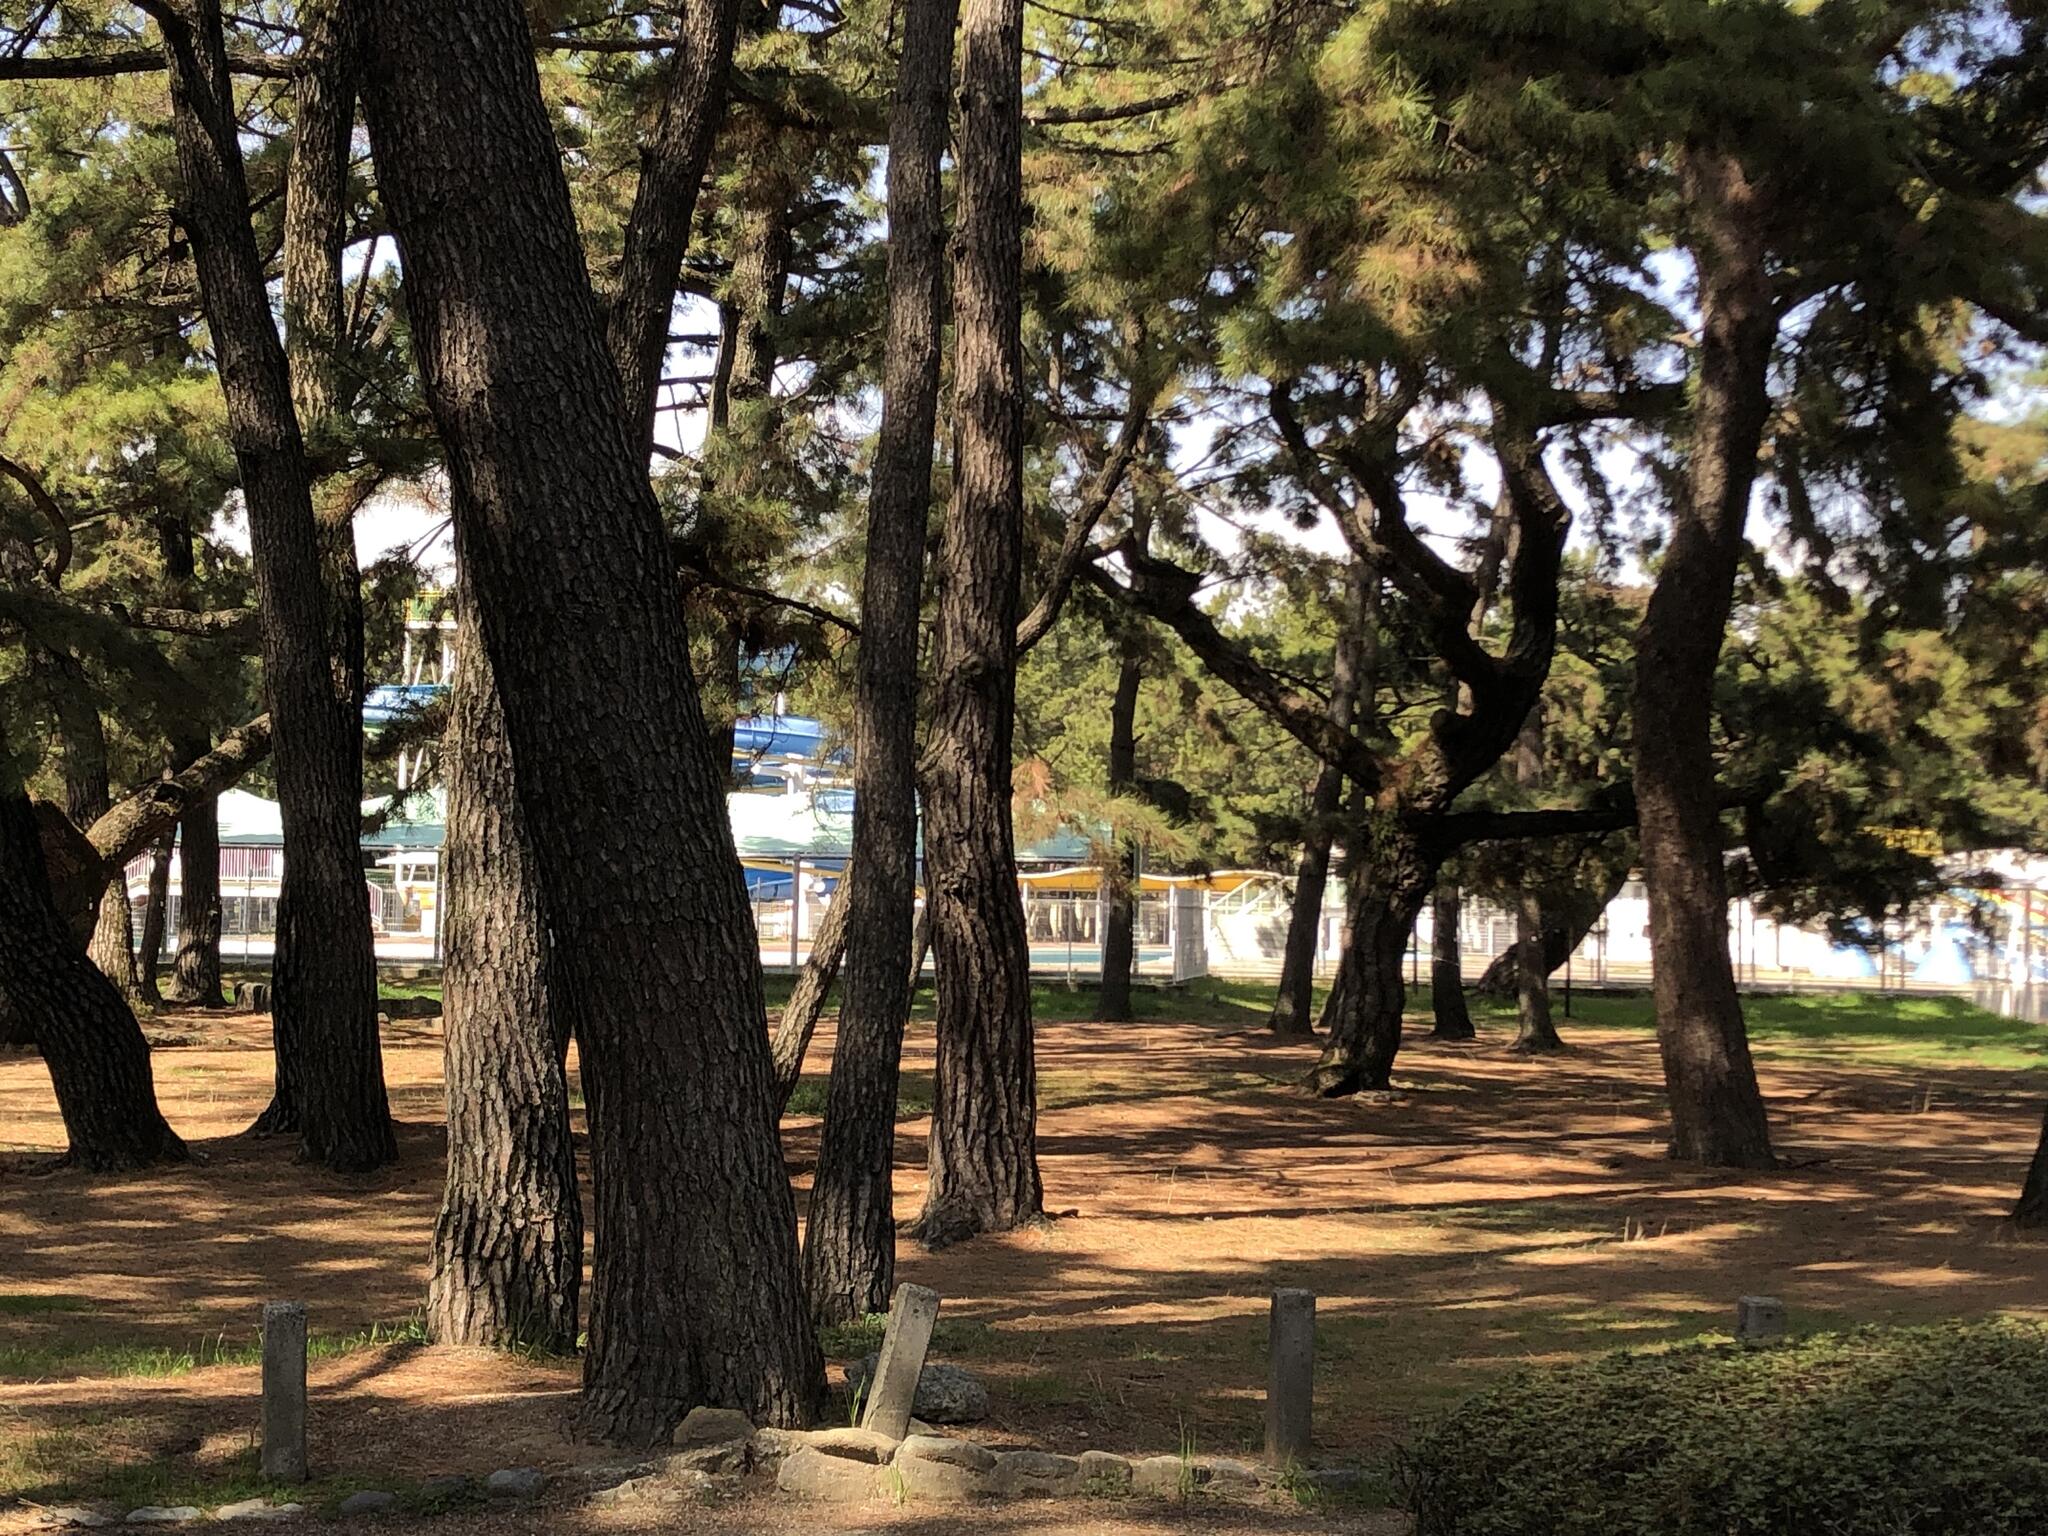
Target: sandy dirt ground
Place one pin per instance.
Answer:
(1497, 1211)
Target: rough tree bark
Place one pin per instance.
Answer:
(984, 1141)
(850, 1237)
(1120, 882)
(1717, 1112)
(1447, 967)
(149, 948)
(96, 1054)
(1563, 932)
(330, 1066)
(1537, 1034)
(507, 1258)
(2032, 1209)
(806, 1005)
(1294, 1001)
(1385, 887)
(195, 972)
(695, 1293)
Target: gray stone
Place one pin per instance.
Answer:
(252, 996)
(515, 1483)
(711, 1426)
(1759, 1319)
(917, 1477)
(866, 1445)
(732, 1456)
(1333, 1479)
(1290, 1376)
(815, 1474)
(76, 1514)
(662, 1489)
(1226, 1472)
(1104, 1475)
(946, 1394)
(284, 1391)
(895, 1389)
(951, 1452)
(766, 1450)
(1166, 1477)
(165, 1514)
(370, 1501)
(1037, 1475)
(597, 1479)
(247, 1509)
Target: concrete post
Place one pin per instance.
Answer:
(1759, 1319)
(1290, 1382)
(284, 1391)
(892, 1390)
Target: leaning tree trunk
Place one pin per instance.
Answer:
(983, 1154)
(850, 1237)
(1717, 1112)
(507, 1257)
(149, 955)
(1362, 1015)
(807, 998)
(695, 1292)
(1447, 967)
(1537, 1034)
(94, 1049)
(2032, 1209)
(1120, 878)
(324, 1003)
(1294, 1002)
(1563, 933)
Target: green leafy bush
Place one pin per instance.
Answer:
(1938, 1431)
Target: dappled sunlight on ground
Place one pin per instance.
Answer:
(1497, 1210)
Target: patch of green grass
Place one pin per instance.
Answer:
(913, 1095)
(87, 1357)
(1893, 1028)
(951, 1338)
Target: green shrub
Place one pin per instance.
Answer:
(1939, 1431)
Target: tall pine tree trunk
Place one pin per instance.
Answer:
(330, 1066)
(983, 1155)
(807, 998)
(507, 1265)
(150, 948)
(1717, 1112)
(95, 1051)
(1447, 967)
(1362, 1015)
(1538, 1031)
(850, 1237)
(195, 974)
(696, 1293)
(1120, 882)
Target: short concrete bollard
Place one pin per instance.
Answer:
(1759, 1319)
(1290, 1382)
(892, 1390)
(284, 1391)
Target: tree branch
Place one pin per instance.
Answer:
(58, 559)
(1074, 551)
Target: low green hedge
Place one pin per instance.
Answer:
(1939, 1431)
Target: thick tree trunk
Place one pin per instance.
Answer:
(695, 1293)
(1717, 1112)
(806, 1005)
(1362, 1015)
(195, 974)
(149, 952)
(113, 937)
(97, 1056)
(1537, 1034)
(507, 1262)
(1120, 882)
(984, 1143)
(324, 1001)
(2032, 1209)
(1447, 967)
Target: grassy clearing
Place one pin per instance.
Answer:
(1931, 1032)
